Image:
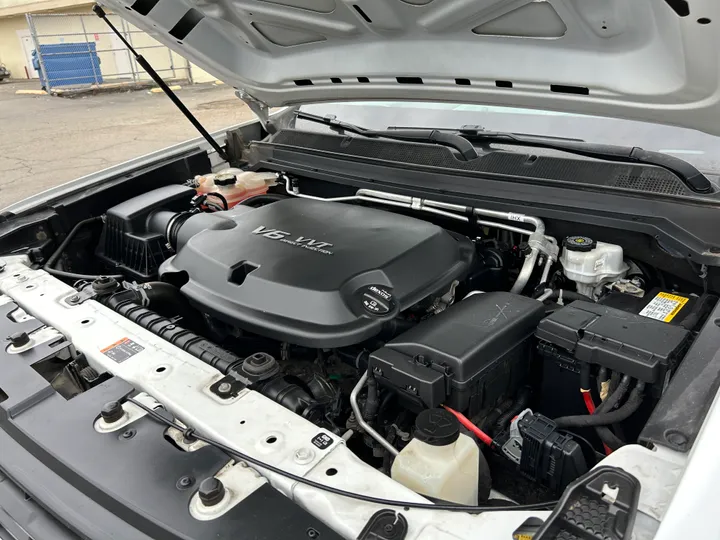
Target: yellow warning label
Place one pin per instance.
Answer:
(664, 306)
(523, 536)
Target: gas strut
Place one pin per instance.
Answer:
(100, 12)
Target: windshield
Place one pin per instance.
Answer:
(699, 149)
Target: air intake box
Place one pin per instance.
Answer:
(127, 241)
(466, 357)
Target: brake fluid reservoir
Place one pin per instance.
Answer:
(235, 185)
(590, 264)
(439, 461)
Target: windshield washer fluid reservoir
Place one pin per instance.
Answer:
(235, 185)
(439, 461)
(590, 264)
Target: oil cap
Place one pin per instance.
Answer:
(579, 243)
(377, 300)
(437, 427)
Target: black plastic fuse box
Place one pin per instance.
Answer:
(466, 357)
(644, 348)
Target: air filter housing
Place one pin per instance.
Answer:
(127, 241)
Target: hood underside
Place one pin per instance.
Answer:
(653, 60)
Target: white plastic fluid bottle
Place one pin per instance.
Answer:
(439, 461)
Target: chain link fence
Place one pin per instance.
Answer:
(78, 51)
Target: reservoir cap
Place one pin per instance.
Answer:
(437, 427)
(579, 243)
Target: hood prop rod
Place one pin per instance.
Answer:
(100, 12)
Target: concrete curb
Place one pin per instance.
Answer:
(31, 93)
(174, 88)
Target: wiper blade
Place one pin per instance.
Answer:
(691, 177)
(435, 136)
(462, 141)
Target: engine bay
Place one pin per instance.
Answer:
(466, 353)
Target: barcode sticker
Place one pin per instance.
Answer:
(664, 307)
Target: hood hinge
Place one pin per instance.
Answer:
(261, 110)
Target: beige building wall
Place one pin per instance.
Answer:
(115, 64)
(11, 51)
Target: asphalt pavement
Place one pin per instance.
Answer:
(46, 141)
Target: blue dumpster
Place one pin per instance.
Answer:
(68, 64)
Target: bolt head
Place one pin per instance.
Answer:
(304, 455)
(211, 491)
(224, 388)
(19, 339)
(111, 412)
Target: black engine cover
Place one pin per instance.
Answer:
(315, 273)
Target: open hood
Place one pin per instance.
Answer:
(652, 60)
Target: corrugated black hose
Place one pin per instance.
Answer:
(606, 418)
(519, 406)
(606, 435)
(125, 304)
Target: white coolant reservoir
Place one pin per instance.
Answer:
(590, 264)
(439, 461)
(235, 185)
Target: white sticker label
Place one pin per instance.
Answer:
(516, 217)
(664, 307)
(600, 263)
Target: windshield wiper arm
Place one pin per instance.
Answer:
(691, 177)
(463, 138)
(452, 140)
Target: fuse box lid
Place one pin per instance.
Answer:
(639, 346)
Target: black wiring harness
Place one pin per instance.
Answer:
(190, 434)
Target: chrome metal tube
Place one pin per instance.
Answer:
(404, 201)
(544, 296)
(361, 421)
(546, 270)
(453, 211)
(525, 272)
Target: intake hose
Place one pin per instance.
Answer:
(605, 418)
(125, 304)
